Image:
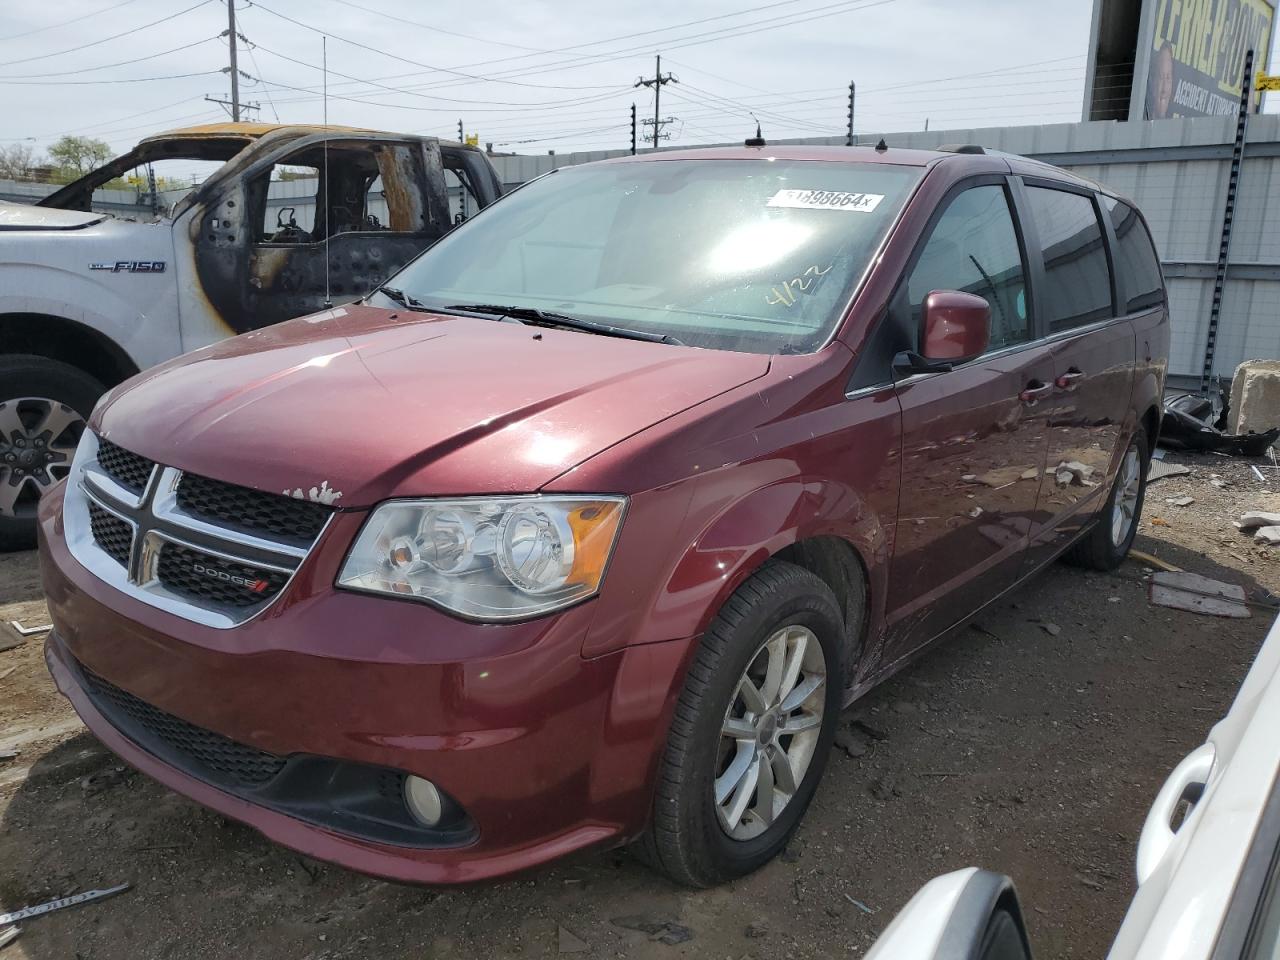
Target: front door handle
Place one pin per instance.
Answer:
(1034, 391)
(1069, 379)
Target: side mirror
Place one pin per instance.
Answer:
(967, 915)
(954, 327)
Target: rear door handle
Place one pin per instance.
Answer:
(1069, 379)
(1034, 391)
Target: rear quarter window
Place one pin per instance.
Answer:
(1077, 287)
(1137, 265)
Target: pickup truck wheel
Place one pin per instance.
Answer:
(751, 731)
(1105, 546)
(43, 409)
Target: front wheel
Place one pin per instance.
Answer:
(751, 732)
(1106, 545)
(43, 407)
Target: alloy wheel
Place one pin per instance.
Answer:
(770, 732)
(38, 439)
(1128, 487)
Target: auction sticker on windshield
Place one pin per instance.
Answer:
(826, 200)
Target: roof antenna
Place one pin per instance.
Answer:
(881, 147)
(758, 139)
(328, 224)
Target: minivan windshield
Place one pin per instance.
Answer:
(752, 256)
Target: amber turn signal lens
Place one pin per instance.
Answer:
(594, 528)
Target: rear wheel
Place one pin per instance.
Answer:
(1106, 545)
(43, 408)
(751, 732)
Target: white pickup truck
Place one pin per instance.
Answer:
(87, 299)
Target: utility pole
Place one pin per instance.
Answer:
(657, 82)
(848, 138)
(235, 74)
(633, 129)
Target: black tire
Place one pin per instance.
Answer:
(685, 838)
(23, 375)
(1097, 549)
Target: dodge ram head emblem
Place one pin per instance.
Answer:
(130, 266)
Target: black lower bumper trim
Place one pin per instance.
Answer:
(361, 801)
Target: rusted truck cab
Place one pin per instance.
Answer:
(295, 216)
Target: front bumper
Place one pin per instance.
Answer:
(546, 752)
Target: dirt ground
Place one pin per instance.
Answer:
(1031, 743)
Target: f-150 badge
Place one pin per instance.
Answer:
(130, 266)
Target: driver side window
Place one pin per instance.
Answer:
(288, 214)
(974, 249)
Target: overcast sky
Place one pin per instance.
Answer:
(538, 75)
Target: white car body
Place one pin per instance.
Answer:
(1208, 886)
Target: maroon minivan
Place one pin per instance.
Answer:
(583, 530)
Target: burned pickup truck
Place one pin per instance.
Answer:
(289, 216)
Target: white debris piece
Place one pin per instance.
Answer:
(1257, 518)
(1268, 535)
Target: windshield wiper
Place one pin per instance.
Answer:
(546, 318)
(404, 299)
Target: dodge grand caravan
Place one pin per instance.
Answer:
(584, 528)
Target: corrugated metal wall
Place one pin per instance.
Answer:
(1177, 171)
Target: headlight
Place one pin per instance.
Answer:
(487, 558)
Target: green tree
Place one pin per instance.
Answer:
(78, 155)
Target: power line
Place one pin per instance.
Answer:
(64, 23)
(77, 83)
(804, 16)
(435, 27)
(107, 66)
(401, 90)
(114, 36)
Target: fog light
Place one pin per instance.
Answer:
(423, 801)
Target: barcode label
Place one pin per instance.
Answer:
(826, 200)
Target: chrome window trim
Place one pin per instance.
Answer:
(155, 519)
(1012, 348)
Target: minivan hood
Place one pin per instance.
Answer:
(21, 216)
(370, 403)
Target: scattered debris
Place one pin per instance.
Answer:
(8, 936)
(1052, 629)
(1188, 424)
(1183, 501)
(1030, 474)
(1268, 535)
(5, 673)
(1153, 561)
(1158, 470)
(1073, 471)
(71, 901)
(859, 904)
(852, 744)
(870, 729)
(570, 942)
(96, 783)
(1160, 522)
(660, 931)
(30, 631)
(1257, 518)
(8, 753)
(756, 929)
(975, 513)
(1197, 594)
(884, 788)
(1218, 482)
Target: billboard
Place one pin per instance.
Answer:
(1162, 59)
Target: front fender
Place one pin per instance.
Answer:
(735, 519)
(30, 288)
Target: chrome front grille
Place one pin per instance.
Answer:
(213, 552)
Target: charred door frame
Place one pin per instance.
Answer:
(224, 228)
